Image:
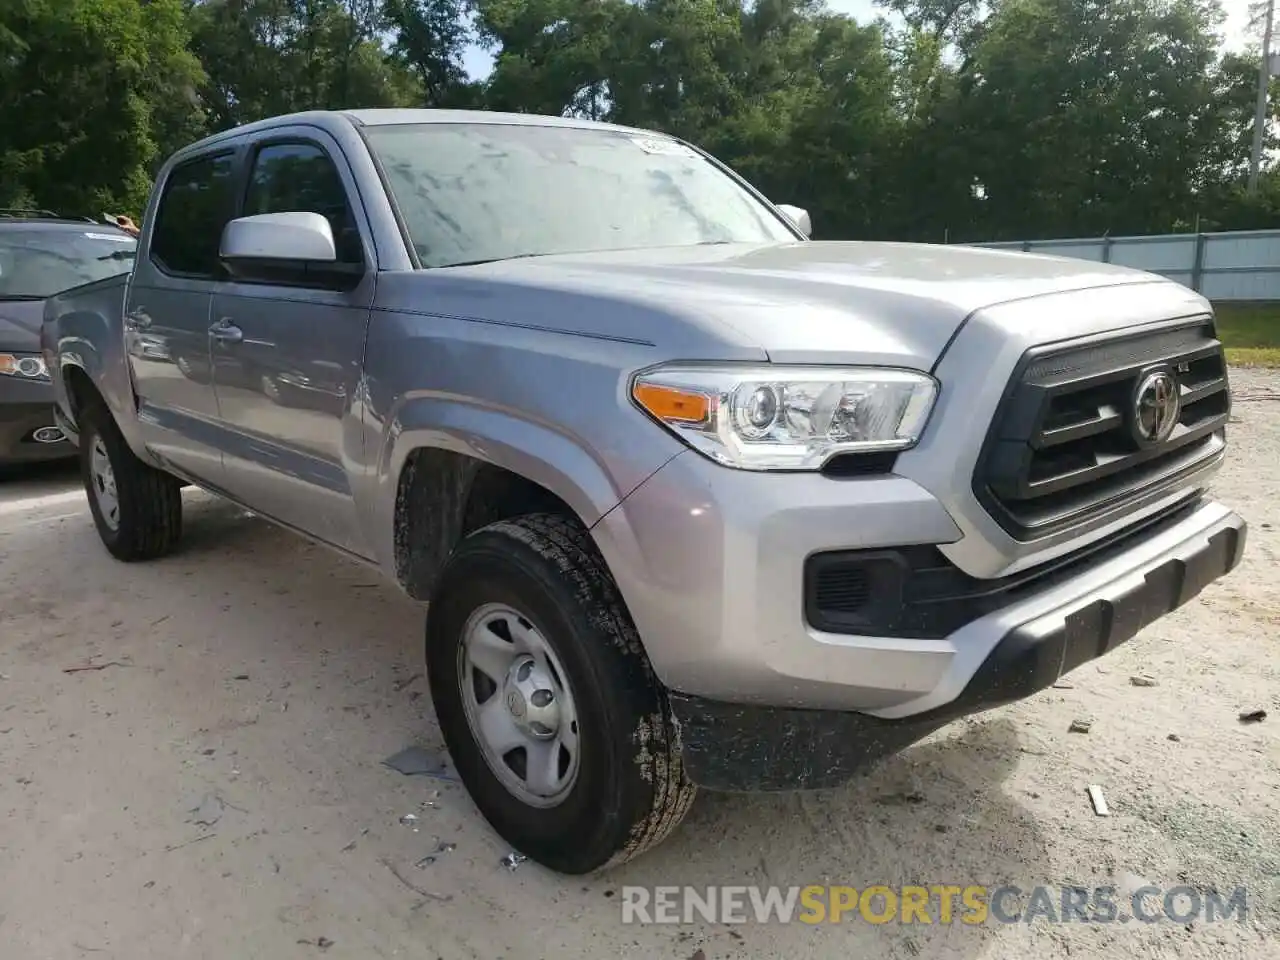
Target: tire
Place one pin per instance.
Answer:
(629, 790)
(145, 520)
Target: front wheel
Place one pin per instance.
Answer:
(549, 707)
(136, 508)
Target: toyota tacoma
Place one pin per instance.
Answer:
(695, 500)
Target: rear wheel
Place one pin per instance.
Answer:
(554, 719)
(136, 508)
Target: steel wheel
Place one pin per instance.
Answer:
(519, 705)
(591, 772)
(103, 479)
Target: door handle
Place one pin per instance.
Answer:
(224, 331)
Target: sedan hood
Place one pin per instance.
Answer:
(803, 302)
(20, 325)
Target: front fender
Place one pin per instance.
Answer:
(590, 480)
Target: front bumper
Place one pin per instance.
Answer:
(735, 747)
(711, 563)
(25, 407)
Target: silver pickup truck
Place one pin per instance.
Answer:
(695, 500)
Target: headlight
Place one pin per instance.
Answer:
(28, 366)
(787, 418)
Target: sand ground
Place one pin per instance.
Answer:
(218, 792)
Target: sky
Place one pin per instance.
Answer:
(479, 62)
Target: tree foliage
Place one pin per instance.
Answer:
(944, 119)
(91, 93)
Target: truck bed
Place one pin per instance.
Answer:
(84, 326)
(101, 301)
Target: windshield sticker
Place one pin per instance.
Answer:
(668, 148)
(109, 236)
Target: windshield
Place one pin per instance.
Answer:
(36, 263)
(474, 192)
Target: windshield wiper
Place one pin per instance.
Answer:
(524, 256)
(19, 297)
(119, 255)
(476, 263)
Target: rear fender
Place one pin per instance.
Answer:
(84, 328)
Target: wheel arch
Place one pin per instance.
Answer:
(449, 467)
(80, 391)
(442, 496)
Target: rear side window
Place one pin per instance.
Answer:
(301, 178)
(193, 210)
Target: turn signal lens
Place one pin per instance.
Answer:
(673, 405)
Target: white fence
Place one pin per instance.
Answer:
(1243, 265)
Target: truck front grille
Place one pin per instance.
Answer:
(1087, 427)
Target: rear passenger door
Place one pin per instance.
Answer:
(167, 315)
(287, 376)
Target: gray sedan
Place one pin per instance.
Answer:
(40, 255)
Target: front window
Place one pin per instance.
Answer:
(35, 263)
(475, 192)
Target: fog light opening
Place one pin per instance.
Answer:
(47, 435)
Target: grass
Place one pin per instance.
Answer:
(1250, 332)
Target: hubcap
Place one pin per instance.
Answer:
(519, 706)
(103, 481)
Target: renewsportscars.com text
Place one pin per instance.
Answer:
(933, 904)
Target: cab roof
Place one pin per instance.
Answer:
(390, 116)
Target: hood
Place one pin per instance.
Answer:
(20, 325)
(803, 302)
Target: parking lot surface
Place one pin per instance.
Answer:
(207, 779)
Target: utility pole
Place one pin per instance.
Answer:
(1260, 114)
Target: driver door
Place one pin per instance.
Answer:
(288, 351)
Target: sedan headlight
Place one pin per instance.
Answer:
(27, 366)
(787, 418)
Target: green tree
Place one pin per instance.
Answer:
(269, 57)
(430, 36)
(91, 94)
(1086, 116)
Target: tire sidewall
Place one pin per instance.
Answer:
(90, 429)
(611, 792)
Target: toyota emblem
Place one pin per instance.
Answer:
(1156, 407)
(515, 704)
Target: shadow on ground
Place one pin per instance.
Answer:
(937, 814)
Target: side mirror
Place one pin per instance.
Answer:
(287, 248)
(305, 237)
(799, 216)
